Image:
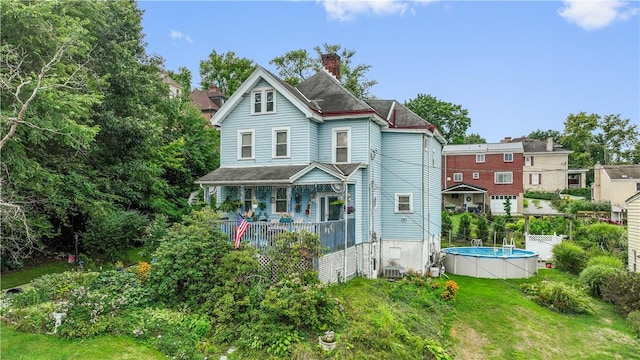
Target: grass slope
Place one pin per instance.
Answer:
(17, 345)
(494, 320)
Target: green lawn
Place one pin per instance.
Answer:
(24, 276)
(495, 321)
(17, 345)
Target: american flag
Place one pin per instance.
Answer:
(241, 227)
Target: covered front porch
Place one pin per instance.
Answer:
(465, 198)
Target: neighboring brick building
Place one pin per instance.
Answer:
(483, 176)
(208, 101)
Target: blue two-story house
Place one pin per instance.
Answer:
(363, 174)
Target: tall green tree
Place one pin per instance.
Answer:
(578, 137)
(451, 119)
(545, 134)
(619, 138)
(227, 71)
(297, 65)
(48, 91)
(474, 138)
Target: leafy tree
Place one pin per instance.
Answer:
(297, 65)
(578, 137)
(451, 119)
(226, 71)
(474, 138)
(619, 138)
(507, 208)
(447, 224)
(464, 227)
(545, 134)
(183, 77)
(482, 227)
(48, 92)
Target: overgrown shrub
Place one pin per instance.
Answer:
(53, 287)
(582, 192)
(464, 226)
(623, 290)
(34, 319)
(605, 237)
(594, 277)
(482, 228)
(569, 257)
(500, 228)
(113, 232)
(186, 260)
(564, 298)
(608, 260)
(447, 224)
(634, 321)
(540, 195)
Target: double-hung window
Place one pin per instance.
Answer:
(281, 200)
(341, 145)
(508, 157)
(246, 144)
(263, 101)
(281, 142)
(479, 158)
(404, 203)
(503, 177)
(534, 179)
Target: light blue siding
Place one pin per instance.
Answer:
(402, 173)
(433, 195)
(317, 176)
(287, 115)
(359, 139)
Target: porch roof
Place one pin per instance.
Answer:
(284, 174)
(464, 188)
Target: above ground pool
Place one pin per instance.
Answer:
(491, 262)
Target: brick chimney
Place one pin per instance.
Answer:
(507, 139)
(331, 62)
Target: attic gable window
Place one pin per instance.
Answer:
(246, 144)
(341, 145)
(263, 101)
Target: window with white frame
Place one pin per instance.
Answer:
(476, 175)
(246, 144)
(248, 198)
(281, 142)
(457, 177)
(508, 157)
(503, 177)
(263, 101)
(404, 203)
(281, 200)
(341, 145)
(534, 179)
(479, 158)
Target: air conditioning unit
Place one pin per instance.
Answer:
(393, 272)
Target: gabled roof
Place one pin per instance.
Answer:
(623, 172)
(463, 187)
(285, 174)
(169, 81)
(633, 198)
(325, 90)
(286, 90)
(202, 100)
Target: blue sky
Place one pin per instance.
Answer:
(516, 66)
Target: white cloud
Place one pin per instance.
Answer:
(178, 35)
(345, 10)
(596, 14)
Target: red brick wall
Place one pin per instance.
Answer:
(466, 164)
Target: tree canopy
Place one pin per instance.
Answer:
(452, 120)
(297, 65)
(226, 71)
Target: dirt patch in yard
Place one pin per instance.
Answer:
(470, 343)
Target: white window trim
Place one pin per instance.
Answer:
(535, 179)
(480, 158)
(495, 177)
(253, 143)
(275, 145)
(274, 204)
(334, 144)
(476, 175)
(263, 103)
(397, 202)
(457, 178)
(504, 157)
(528, 160)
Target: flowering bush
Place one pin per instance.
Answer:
(143, 270)
(450, 290)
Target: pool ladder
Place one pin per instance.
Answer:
(507, 248)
